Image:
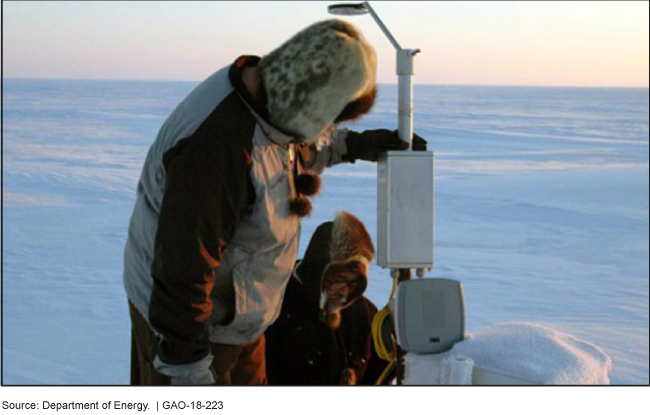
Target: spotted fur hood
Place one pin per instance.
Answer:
(311, 78)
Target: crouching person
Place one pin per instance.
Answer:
(323, 334)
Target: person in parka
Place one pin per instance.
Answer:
(323, 334)
(214, 233)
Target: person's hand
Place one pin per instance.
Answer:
(197, 373)
(208, 377)
(419, 143)
(369, 144)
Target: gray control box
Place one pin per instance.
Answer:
(428, 314)
(405, 209)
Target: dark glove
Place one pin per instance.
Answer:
(419, 143)
(369, 144)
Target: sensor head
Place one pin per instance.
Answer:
(347, 9)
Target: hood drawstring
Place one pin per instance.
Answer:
(302, 184)
(347, 376)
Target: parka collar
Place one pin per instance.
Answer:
(257, 108)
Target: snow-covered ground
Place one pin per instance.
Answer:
(541, 212)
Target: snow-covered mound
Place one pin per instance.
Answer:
(530, 352)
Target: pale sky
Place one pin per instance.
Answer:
(504, 43)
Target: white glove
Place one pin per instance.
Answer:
(196, 373)
(200, 378)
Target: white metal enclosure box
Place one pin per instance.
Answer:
(405, 209)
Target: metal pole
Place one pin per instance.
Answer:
(405, 72)
(405, 94)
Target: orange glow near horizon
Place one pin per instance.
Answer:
(504, 43)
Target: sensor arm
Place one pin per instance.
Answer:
(382, 26)
(405, 73)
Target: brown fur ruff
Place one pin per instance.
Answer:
(350, 239)
(358, 108)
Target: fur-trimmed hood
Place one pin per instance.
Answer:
(350, 240)
(336, 248)
(312, 77)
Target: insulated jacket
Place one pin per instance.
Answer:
(301, 350)
(211, 241)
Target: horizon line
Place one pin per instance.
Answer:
(379, 83)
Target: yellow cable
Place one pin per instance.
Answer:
(378, 340)
(386, 371)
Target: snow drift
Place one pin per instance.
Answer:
(532, 353)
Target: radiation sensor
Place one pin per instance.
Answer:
(428, 314)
